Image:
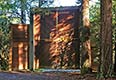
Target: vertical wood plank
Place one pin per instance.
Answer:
(31, 43)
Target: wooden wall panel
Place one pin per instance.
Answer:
(36, 27)
(56, 38)
(19, 47)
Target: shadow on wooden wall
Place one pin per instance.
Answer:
(56, 38)
(18, 58)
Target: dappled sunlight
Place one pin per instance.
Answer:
(54, 39)
(22, 50)
(36, 34)
(67, 27)
(36, 63)
(20, 56)
(20, 32)
(60, 47)
(19, 47)
(36, 29)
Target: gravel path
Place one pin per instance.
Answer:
(46, 76)
(35, 76)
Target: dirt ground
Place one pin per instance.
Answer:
(46, 76)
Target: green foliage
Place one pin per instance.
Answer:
(85, 70)
(85, 34)
(95, 23)
(114, 21)
(5, 7)
(95, 33)
(4, 43)
(40, 11)
(105, 75)
(45, 3)
(10, 13)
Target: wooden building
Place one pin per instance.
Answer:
(56, 36)
(50, 41)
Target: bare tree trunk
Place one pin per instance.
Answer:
(23, 17)
(106, 38)
(86, 54)
(23, 12)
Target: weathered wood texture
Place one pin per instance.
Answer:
(18, 58)
(19, 51)
(56, 38)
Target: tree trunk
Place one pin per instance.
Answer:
(86, 61)
(23, 17)
(23, 12)
(106, 38)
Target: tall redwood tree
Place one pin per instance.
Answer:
(106, 38)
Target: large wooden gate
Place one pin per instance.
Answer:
(56, 37)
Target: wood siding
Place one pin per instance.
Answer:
(18, 58)
(56, 38)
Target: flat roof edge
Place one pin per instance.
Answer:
(36, 9)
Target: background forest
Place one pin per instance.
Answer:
(18, 11)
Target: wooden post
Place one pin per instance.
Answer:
(31, 43)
